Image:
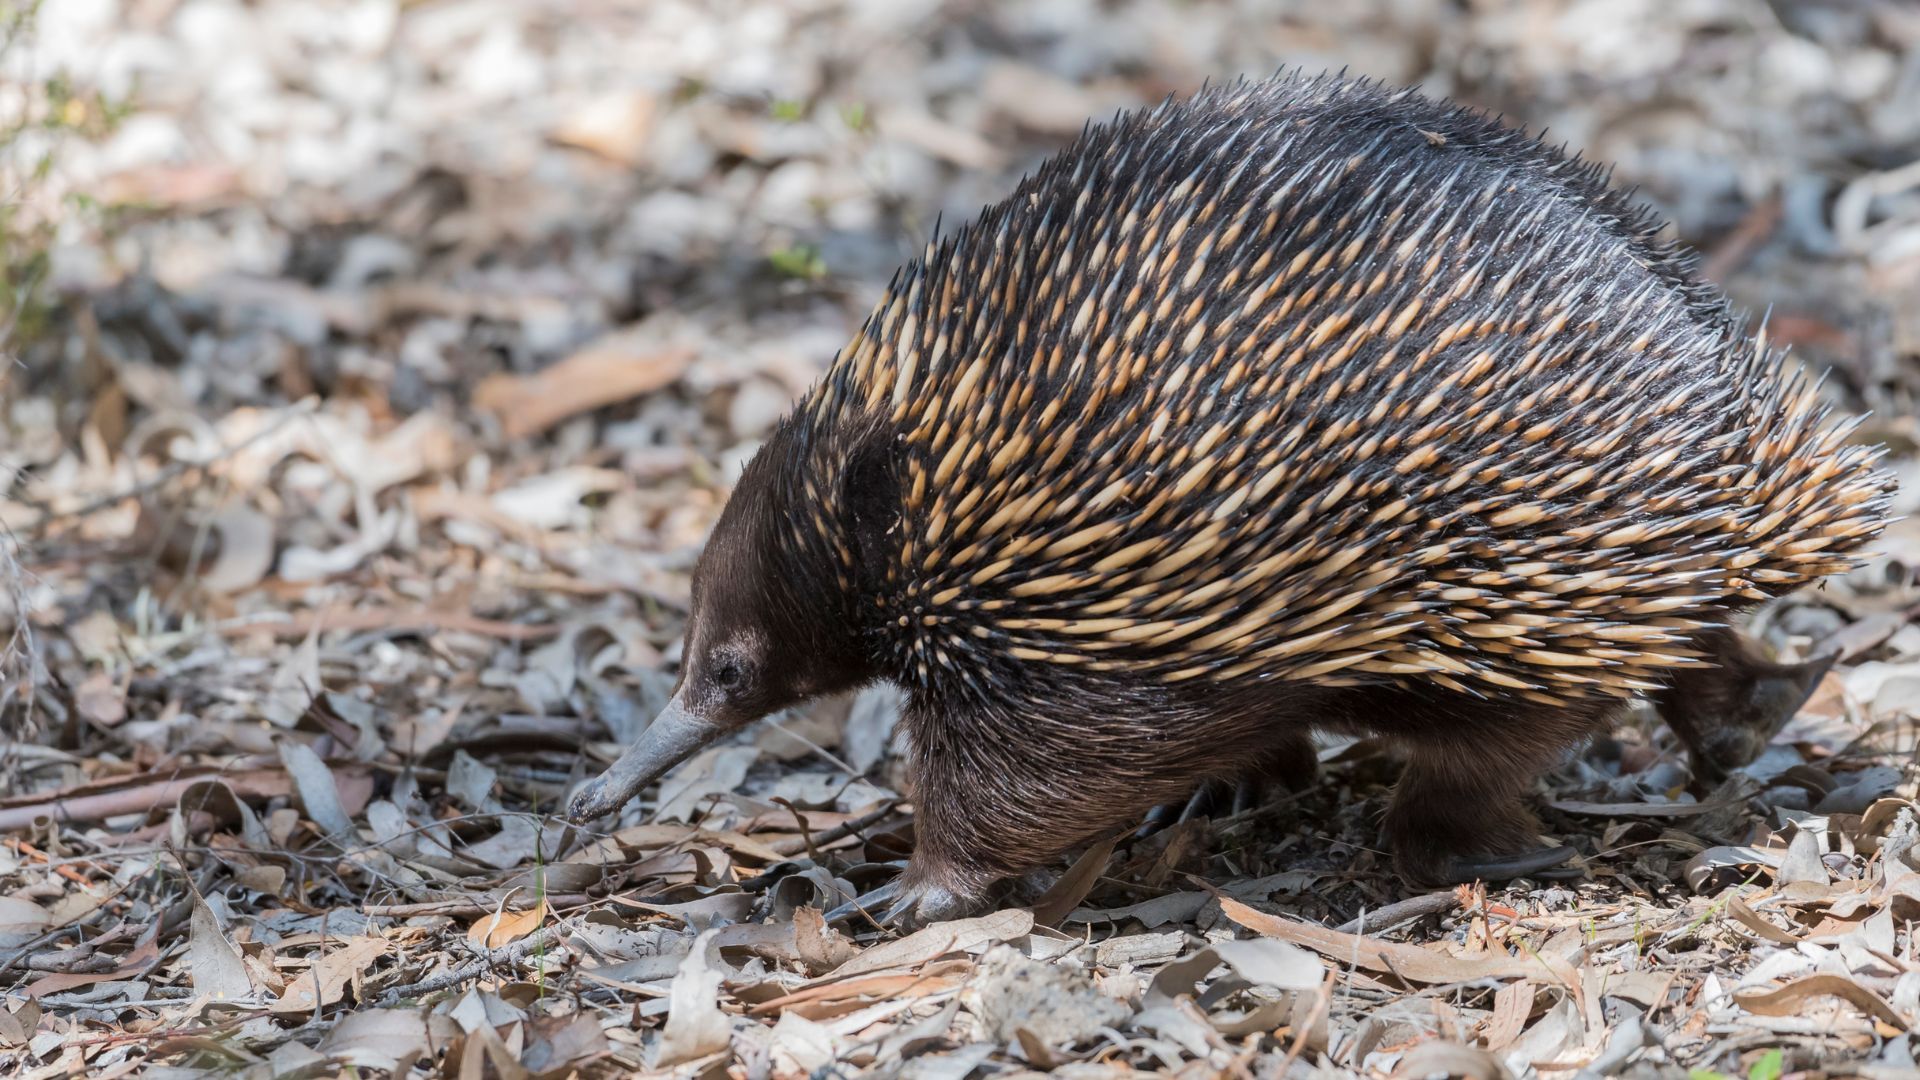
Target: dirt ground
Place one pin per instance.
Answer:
(375, 369)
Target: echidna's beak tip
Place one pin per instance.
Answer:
(674, 736)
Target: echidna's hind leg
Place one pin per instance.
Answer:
(1459, 811)
(1726, 714)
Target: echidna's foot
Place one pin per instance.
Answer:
(903, 905)
(1728, 713)
(1506, 867)
(1471, 838)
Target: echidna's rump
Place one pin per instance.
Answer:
(1304, 403)
(1314, 380)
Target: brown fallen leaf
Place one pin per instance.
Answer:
(1074, 885)
(616, 368)
(1751, 919)
(100, 700)
(1788, 1000)
(960, 935)
(813, 1001)
(213, 965)
(1409, 962)
(1512, 1006)
(133, 966)
(326, 981)
(502, 927)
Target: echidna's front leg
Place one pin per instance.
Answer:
(989, 806)
(1726, 714)
(958, 859)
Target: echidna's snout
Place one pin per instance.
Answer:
(740, 664)
(674, 736)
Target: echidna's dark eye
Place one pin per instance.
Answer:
(728, 674)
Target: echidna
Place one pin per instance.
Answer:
(1303, 403)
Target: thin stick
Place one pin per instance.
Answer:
(471, 970)
(798, 844)
(468, 908)
(1440, 903)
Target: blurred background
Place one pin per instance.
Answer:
(374, 368)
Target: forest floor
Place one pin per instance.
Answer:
(378, 367)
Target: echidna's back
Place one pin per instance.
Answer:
(1311, 380)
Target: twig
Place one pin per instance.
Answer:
(467, 908)
(472, 970)
(797, 844)
(1440, 903)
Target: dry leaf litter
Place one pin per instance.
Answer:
(396, 357)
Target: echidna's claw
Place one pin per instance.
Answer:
(901, 906)
(1209, 799)
(1508, 867)
(874, 900)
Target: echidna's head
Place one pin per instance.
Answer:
(774, 615)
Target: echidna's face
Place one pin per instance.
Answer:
(763, 634)
(740, 661)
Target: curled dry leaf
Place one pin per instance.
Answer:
(695, 1025)
(1385, 957)
(1700, 869)
(244, 550)
(932, 942)
(213, 964)
(1791, 998)
(325, 981)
